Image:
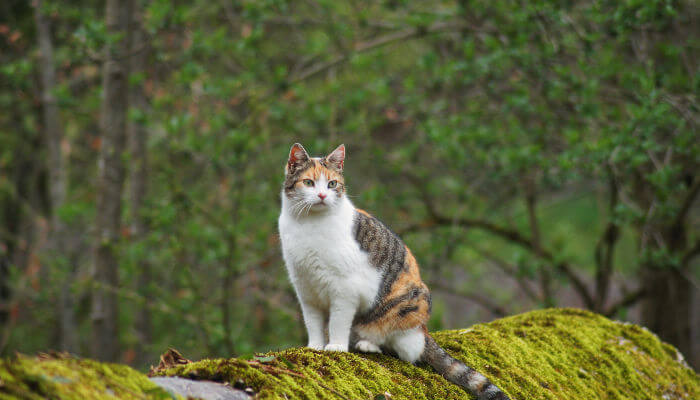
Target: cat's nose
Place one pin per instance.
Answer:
(322, 195)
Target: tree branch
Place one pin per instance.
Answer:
(510, 270)
(437, 219)
(605, 248)
(545, 276)
(578, 283)
(687, 202)
(691, 253)
(380, 41)
(626, 301)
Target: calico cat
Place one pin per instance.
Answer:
(354, 275)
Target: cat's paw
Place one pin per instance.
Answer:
(336, 347)
(366, 346)
(315, 346)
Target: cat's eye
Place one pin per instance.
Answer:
(332, 184)
(308, 182)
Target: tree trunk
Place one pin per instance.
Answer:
(105, 313)
(670, 295)
(138, 136)
(667, 308)
(53, 136)
(4, 287)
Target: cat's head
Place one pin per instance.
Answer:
(314, 184)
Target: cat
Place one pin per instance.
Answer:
(355, 276)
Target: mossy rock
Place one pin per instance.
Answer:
(546, 354)
(63, 377)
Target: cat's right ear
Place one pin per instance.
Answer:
(297, 157)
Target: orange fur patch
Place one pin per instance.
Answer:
(361, 211)
(393, 319)
(314, 173)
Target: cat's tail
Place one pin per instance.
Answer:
(459, 373)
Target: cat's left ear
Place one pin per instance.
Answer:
(297, 157)
(337, 157)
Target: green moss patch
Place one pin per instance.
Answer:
(30, 378)
(309, 374)
(573, 354)
(547, 354)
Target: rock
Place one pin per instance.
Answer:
(544, 354)
(204, 390)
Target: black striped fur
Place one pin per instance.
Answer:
(459, 373)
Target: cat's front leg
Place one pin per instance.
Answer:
(314, 321)
(342, 313)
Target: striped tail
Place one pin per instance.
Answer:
(458, 373)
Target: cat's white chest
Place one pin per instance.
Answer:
(324, 261)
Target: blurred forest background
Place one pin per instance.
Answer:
(531, 153)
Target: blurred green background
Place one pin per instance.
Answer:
(532, 154)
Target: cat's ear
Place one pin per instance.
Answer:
(297, 157)
(337, 157)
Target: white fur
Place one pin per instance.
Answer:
(331, 275)
(408, 344)
(477, 381)
(366, 346)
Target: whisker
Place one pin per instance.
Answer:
(308, 208)
(300, 208)
(296, 208)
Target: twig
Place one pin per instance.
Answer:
(545, 277)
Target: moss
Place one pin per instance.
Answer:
(31, 378)
(308, 374)
(573, 354)
(545, 354)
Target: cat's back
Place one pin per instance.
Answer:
(384, 247)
